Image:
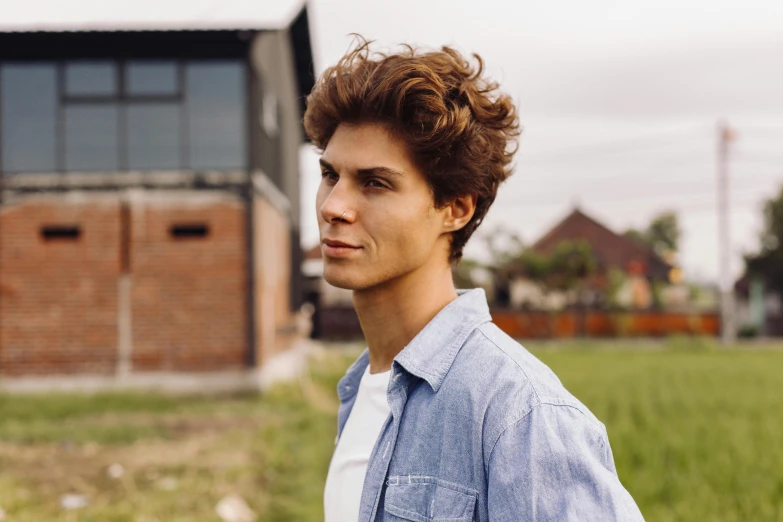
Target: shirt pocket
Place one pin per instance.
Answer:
(428, 499)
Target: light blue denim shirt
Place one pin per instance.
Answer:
(481, 430)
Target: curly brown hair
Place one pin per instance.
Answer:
(460, 130)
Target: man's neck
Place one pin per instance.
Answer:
(393, 315)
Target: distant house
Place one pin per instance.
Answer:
(757, 308)
(612, 251)
(149, 185)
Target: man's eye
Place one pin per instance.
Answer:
(330, 176)
(374, 183)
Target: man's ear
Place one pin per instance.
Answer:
(459, 212)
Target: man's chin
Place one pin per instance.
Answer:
(340, 279)
(339, 283)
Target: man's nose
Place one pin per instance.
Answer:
(338, 206)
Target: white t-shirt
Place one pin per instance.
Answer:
(344, 483)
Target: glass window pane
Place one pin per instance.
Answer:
(152, 78)
(85, 78)
(91, 137)
(28, 109)
(216, 114)
(154, 136)
(270, 137)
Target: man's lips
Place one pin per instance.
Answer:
(338, 244)
(334, 249)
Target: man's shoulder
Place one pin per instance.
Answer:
(499, 358)
(512, 380)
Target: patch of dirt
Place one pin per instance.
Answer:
(216, 443)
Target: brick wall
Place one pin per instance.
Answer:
(272, 256)
(119, 284)
(188, 292)
(58, 296)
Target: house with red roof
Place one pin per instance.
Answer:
(613, 252)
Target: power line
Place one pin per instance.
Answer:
(586, 154)
(612, 147)
(680, 207)
(760, 130)
(654, 179)
(671, 190)
(771, 158)
(703, 199)
(679, 159)
(756, 156)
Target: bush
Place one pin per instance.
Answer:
(748, 331)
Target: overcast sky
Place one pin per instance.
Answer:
(619, 103)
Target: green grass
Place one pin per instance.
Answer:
(697, 435)
(297, 441)
(181, 454)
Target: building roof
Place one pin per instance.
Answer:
(144, 15)
(610, 248)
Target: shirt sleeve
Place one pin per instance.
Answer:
(555, 465)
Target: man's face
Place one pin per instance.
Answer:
(375, 210)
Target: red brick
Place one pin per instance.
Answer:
(59, 300)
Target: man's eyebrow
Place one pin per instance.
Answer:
(379, 171)
(325, 164)
(366, 172)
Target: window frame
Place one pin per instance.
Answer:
(123, 99)
(57, 122)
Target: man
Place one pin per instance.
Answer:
(443, 417)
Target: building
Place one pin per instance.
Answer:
(639, 265)
(611, 249)
(149, 220)
(758, 310)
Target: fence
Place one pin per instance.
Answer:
(341, 323)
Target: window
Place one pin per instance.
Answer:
(84, 78)
(154, 137)
(28, 108)
(55, 233)
(216, 111)
(100, 115)
(189, 231)
(152, 78)
(91, 137)
(269, 136)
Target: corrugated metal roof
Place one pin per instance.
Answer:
(145, 15)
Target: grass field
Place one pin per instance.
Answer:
(697, 435)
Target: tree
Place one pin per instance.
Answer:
(767, 263)
(502, 244)
(662, 234)
(637, 236)
(570, 263)
(564, 269)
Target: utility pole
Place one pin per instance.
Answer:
(728, 320)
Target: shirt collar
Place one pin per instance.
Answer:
(431, 353)
(349, 384)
